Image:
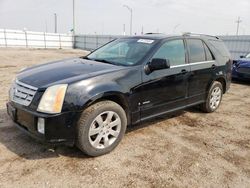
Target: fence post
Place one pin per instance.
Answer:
(73, 40)
(5, 38)
(44, 38)
(85, 40)
(96, 41)
(60, 41)
(26, 39)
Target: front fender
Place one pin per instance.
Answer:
(84, 93)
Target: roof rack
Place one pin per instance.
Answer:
(198, 34)
(154, 34)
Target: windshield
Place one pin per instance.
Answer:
(248, 56)
(126, 52)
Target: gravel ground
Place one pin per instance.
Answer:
(188, 149)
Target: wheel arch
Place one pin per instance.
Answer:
(222, 80)
(223, 83)
(114, 96)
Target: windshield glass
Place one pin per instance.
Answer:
(248, 56)
(126, 52)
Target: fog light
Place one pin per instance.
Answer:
(41, 125)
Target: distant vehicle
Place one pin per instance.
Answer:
(241, 68)
(89, 101)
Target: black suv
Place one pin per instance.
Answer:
(89, 101)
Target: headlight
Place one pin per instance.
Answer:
(52, 100)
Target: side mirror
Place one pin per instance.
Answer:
(157, 64)
(242, 56)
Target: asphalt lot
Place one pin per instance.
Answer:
(188, 149)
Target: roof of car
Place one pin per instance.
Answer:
(159, 36)
(154, 36)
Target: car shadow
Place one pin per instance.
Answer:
(26, 147)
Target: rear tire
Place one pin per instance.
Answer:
(100, 128)
(214, 98)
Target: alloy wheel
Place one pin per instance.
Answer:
(215, 98)
(104, 130)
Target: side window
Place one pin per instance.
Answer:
(196, 50)
(209, 55)
(172, 50)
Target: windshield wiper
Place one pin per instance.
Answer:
(104, 61)
(85, 57)
(100, 60)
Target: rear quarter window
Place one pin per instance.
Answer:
(220, 47)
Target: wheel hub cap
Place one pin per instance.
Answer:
(104, 130)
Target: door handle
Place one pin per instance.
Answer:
(213, 66)
(184, 71)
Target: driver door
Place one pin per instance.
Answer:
(166, 90)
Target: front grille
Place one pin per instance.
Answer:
(244, 70)
(22, 93)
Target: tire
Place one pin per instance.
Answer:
(101, 128)
(214, 98)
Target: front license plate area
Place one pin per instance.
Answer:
(12, 112)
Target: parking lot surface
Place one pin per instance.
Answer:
(187, 149)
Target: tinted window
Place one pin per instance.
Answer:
(209, 56)
(172, 50)
(196, 50)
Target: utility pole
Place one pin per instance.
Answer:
(46, 26)
(238, 25)
(74, 20)
(142, 32)
(131, 17)
(55, 22)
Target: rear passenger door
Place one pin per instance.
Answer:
(203, 67)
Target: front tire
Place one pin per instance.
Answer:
(214, 98)
(100, 128)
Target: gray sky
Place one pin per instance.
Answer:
(108, 16)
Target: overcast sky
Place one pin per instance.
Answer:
(108, 16)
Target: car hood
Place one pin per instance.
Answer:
(64, 71)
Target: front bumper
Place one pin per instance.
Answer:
(59, 128)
